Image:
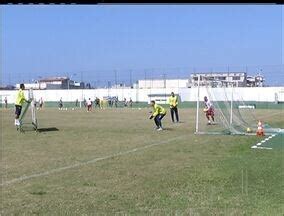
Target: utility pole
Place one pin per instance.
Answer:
(115, 77)
(130, 78)
(9, 78)
(145, 77)
(165, 81)
(68, 81)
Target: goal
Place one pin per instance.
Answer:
(28, 118)
(232, 115)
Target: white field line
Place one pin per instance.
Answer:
(258, 145)
(263, 148)
(92, 161)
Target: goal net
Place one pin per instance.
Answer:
(28, 119)
(231, 114)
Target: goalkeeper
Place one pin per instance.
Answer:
(173, 101)
(209, 110)
(158, 114)
(20, 100)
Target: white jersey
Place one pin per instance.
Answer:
(208, 104)
(89, 102)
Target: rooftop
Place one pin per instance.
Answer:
(217, 73)
(50, 79)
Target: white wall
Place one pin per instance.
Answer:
(265, 94)
(141, 95)
(170, 83)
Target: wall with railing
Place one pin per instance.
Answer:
(261, 94)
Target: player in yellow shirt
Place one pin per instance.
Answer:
(158, 114)
(173, 101)
(20, 100)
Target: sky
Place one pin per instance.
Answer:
(122, 43)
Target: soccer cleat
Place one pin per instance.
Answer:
(160, 129)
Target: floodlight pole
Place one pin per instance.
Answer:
(197, 107)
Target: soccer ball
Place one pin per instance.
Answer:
(205, 110)
(248, 130)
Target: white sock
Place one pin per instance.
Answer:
(17, 122)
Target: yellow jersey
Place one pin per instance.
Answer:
(20, 98)
(158, 110)
(173, 101)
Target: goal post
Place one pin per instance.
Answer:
(28, 118)
(232, 115)
(221, 123)
(197, 107)
(227, 118)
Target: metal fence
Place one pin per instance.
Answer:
(106, 78)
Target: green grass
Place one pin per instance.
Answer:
(184, 104)
(178, 174)
(275, 142)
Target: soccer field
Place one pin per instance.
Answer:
(113, 162)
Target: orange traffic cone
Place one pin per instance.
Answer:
(259, 131)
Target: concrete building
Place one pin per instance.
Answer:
(7, 87)
(54, 83)
(238, 79)
(255, 81)
(60, 83)
(120, 85)
(35, 86)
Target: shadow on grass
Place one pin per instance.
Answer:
(168, 129)
(180, 122)
(40, 130)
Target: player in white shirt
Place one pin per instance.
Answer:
(89, 104)
(209, 110)
(40, 103)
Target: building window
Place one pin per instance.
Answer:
(221, 78)
(236, 78)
